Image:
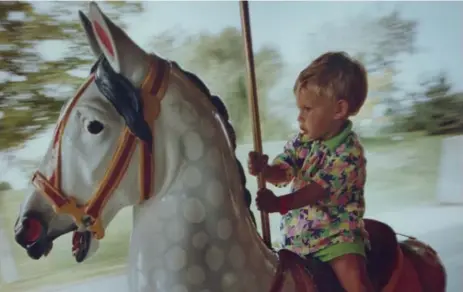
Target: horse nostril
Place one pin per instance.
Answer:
(33, 230)
(29, 231)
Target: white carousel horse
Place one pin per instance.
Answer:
(142, 132)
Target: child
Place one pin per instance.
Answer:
(323, 215)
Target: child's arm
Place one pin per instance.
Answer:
(275, 174)
(308, 195)
(283, 168)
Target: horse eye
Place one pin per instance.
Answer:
(95, 127)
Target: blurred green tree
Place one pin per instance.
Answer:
(436, 110)
(32, 87)
(219, 60)
(4, 186)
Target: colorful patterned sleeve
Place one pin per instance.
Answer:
(340, 175)
(287, 161)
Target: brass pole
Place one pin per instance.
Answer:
(254, 106)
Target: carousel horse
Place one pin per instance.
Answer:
(143, 132)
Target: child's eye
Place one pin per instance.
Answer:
(306, 108)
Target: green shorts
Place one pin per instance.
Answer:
(340, 249)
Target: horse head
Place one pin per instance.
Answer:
(116, 142)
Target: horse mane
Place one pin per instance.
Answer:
(125, 98)
(222, 110)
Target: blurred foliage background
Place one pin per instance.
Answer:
(33, 89)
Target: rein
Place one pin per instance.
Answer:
(153, 89)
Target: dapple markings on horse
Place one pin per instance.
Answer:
(142, 123)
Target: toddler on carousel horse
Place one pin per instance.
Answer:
(323, 214)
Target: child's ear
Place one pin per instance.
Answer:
(342, 110)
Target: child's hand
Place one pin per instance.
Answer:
(256, 162)
(267, 201)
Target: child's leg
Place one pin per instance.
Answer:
(352, 273)
(348, 263)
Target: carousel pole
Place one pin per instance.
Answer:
(254, 107)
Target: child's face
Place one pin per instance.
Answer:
(319, 116)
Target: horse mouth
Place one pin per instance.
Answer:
(38, 249)
(33, 235)
(81, 242)
(43, 246)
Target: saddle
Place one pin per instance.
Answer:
(382, 260)
(430, 270)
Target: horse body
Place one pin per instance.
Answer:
(192, 229)
(142, 132)
(198, 234)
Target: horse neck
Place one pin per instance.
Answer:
(201, 219)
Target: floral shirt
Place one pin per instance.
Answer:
(339, 166)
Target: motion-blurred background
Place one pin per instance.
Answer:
(410, 125)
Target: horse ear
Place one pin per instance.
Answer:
(124, 56)
(87, 26)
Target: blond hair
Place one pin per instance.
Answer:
(336, 75)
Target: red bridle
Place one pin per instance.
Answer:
(88, 215)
